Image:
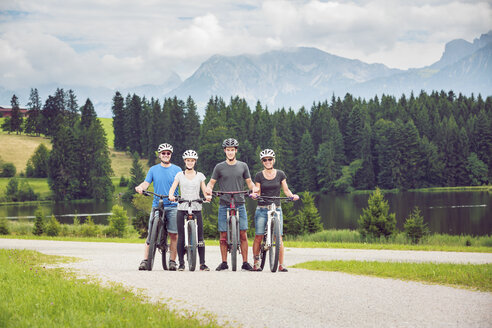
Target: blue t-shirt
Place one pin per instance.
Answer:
(163, 178)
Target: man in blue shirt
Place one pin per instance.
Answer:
(162, 175)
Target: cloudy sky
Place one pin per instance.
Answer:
(124, 43)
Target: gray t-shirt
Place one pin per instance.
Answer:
(190, 189)
(231, 178)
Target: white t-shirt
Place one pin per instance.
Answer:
(190, 189)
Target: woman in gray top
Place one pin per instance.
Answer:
(189, 182)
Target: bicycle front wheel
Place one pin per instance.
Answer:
(234, 239)
(153, 241)
(192, 245)
(275, 249)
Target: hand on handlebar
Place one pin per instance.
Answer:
(295, 197)
(139, 189)
(208, 198)
(253, 195)
(172, 198)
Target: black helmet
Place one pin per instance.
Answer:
(231, 142)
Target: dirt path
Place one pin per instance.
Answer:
(299, 298)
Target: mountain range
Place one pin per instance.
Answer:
(298, 77)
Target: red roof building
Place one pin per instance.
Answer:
(7, 112)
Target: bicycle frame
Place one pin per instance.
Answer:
(232, 212)
(161, 238)
(267, 243)
(188, 217)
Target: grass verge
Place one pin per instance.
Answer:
(35, 296)
(471, 276)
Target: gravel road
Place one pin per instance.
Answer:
(299, 298)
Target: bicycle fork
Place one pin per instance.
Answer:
(231, 212)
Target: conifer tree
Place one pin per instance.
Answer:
(16, 119)
(307, 167)
(119, 115)
(33, 121)
(308, 215)
(137, 175)
(376, 221)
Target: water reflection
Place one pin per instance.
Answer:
(463, 212)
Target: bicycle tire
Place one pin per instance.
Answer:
(192, 245)
(153, 241)
(163, 247)
(275, 249)
(233, 227)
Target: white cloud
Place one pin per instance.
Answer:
(123, 43)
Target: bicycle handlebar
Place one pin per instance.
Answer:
(199, 200)
(289, 199)
(148, 193)
(220, 193)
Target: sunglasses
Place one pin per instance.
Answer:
(267, 159)
(166, 153)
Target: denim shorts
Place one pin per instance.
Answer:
(261, 217)
(170, 214)
(243, 217)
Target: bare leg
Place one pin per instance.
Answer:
(243, 235)
(223, 246)
(146, 251)
(174, 243)
(256, 245)
(281, 256)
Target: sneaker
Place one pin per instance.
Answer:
(247, 267)
(257, 266)
(281, 268)
(181, 267)
(143, 265)
(203, 267)
(172, 265)
(222, 266)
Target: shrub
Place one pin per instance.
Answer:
(141, 220)
(38, 223)
(414, 226)
(89, 229)
(25, 192)
(12, 189)
(53, 227)
(118, 221)
(8, 170)
(309, 215)
(375, 220)
(292, 225)
(123, 181)
(4, 226)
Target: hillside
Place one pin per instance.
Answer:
(18, 149)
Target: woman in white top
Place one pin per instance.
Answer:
(189, 182)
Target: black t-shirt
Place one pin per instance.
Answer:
(270, 187)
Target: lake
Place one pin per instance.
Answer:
(454, 213)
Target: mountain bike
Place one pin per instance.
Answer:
(271, 241)
(233, 239)
(191, 233)
(158, 232)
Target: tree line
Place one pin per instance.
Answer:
(437, 139)
(78, 165)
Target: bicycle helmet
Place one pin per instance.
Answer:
(165, 146)
(267, 153)
(231, 142)
(190, 153)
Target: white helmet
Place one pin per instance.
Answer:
(267, 153)
(165, 146)
(190, 153)
(231, 142)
